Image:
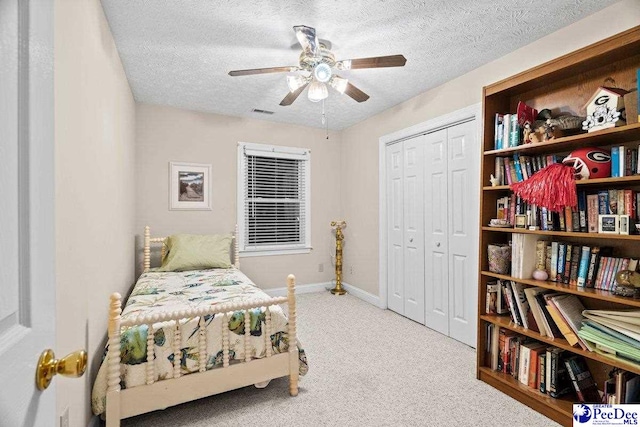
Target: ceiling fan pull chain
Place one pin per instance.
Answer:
(325, 121)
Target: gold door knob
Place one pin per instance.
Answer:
(72, 365)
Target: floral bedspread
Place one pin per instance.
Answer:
(161, 292)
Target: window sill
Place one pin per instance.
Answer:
(269, 252)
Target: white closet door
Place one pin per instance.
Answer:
(436, 240)
(414, 229)
(463, 198)
(395, 246)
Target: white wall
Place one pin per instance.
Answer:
(94, 155)
(167, 134)
(360, 142)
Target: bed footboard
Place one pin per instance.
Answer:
(154, 395)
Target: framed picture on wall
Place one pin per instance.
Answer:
(189, 186)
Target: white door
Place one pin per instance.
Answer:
(413, 225)
(395, 246)
(27, 281)
(436, 230)
(463, 193)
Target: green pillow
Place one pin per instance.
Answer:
(195, 252)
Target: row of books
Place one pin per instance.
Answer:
(550, 313)
(613, 333)
(550, 370)
(509, 170)
(507, 131)
(584, 218)
(624, 161)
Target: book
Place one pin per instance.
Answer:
(493, 293)
(583, 267)
(542, 372)
(538, 322)
(582, 210)
(552, 328)
(613, 202)
(560, 383)
(554, 261)
(583, 383)
(534, 365)
(521, 303)
(499, 170)
(603, 202)
(576, 251)
(562, 251)
(571, 308)
(592, 213)
(566, 331)
(594, 259)
(514, 131)
(615, 162)
(567, 263)
(506, 124)
(504, 361)
(497, 140)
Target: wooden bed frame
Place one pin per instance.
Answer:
(180, 389)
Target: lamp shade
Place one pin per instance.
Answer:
(339, 84)
(296, 82)
(317, 91)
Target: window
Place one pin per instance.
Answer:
(273, 199)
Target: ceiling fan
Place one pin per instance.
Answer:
(318, 64)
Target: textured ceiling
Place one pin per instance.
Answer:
(178, 53)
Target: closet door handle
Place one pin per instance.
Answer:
(411, 240)
(438, 244)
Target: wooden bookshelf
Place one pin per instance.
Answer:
(563, 85)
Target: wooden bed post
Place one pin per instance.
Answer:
(147, 248)
(294, 363)
(113, 362)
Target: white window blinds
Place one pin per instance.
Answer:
(275, 198)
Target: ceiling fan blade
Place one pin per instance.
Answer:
(355, 93)
(292, 96)
(307, 38)
(263, 71)
(373, 62)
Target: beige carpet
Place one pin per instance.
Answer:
(367, 367)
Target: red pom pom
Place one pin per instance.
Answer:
(553, 187)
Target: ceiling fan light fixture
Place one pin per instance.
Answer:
(338, 83)
(317, 91)
(344, 65)
(296, 82)
(322, 72)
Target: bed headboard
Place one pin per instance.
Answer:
(148, 240)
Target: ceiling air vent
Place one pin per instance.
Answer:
(259, 111)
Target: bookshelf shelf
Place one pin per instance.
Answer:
(505, 322)
(563, 85)
(562, 408)
(582, 292)
(617, 182)
(575, 235)
(603, 138)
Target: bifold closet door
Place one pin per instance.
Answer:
(463, 198)
(405, 228)
(451, 223)
(413, 212)
(395, 238)
(436, 233)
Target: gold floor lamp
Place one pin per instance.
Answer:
(338, 226)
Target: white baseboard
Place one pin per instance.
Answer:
(363, 295)
(300, 289)
(322, 287)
